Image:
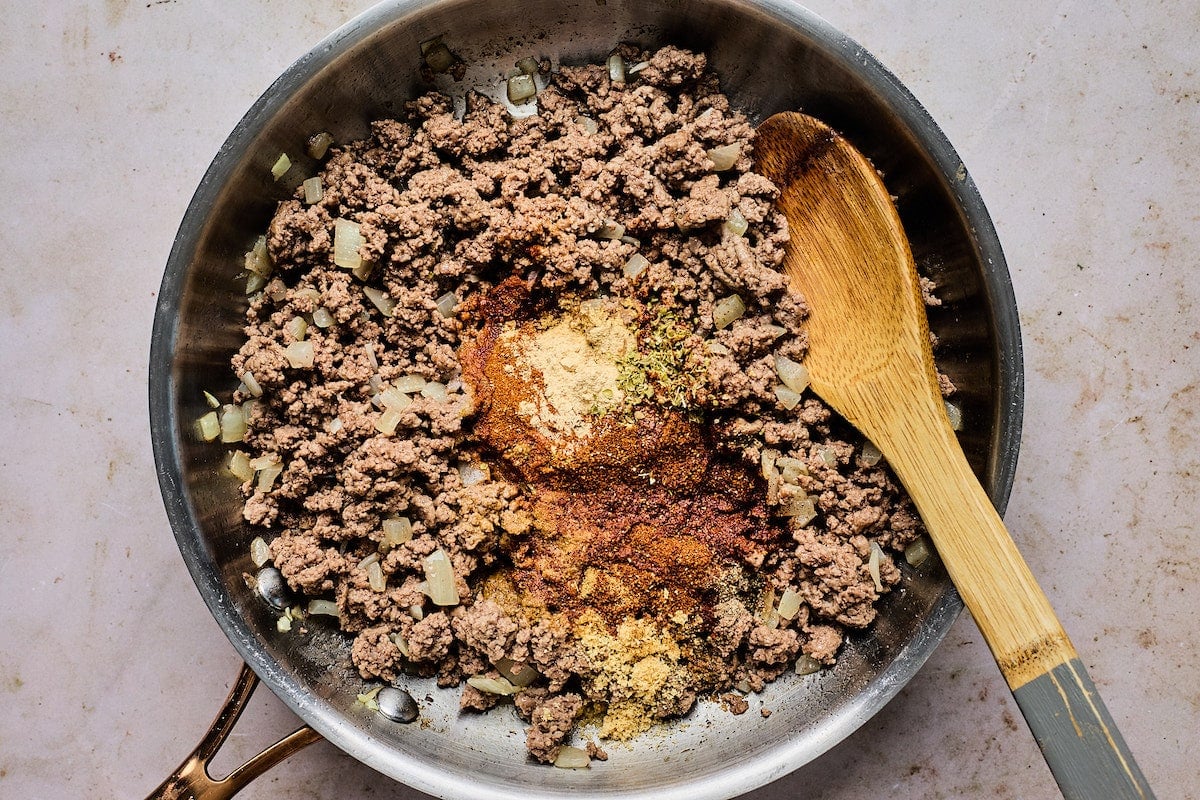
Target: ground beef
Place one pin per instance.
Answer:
(392, 451)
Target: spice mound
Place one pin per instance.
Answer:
(524, 409)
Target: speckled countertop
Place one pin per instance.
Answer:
(1080, 123)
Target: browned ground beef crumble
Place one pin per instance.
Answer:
(508, 214)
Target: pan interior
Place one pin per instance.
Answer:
(770, 56)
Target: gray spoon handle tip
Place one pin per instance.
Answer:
(1080, 741)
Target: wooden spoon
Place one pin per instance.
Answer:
(869, 358)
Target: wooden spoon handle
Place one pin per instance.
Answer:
(1081, 743)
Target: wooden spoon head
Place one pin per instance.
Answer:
(849, 257)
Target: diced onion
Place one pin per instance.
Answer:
(917, 552)
(870, 454)
(396, 531)
(417, 611)
(257, 259)
(300, 355)
(387, 421)
(717, 349)
(802, 510)
(260, 552)
(322, 318)
(318, 145)
(611, 229)
(528, 65)
(446, 304)
(873, 563)
(726, 310)
(252, 385)
(636, 68)
(347, 239)
(391, 397)
(267, 476)
(955, 415)
(521, 88)
(298, 328)
(254, 283)
(335, 425)
(793, 374)
(786, 397)
(827, 456)
(283, 624)
(363, 270)
(588, 124)
(807, 665)
(262, 462)
(434, 391)
(400, 643)
(439, 574)
(473, 473)
(375, 577)
(211, 399)
(636, 265)
(518, 674)
(369, 349)
(439, 58)
(790, 469)
(277, 290)
(239, 465)
(789, 604)
(410, 383)
(500, 686)
(282, 165)
(208, 427)
(616, 68)
(381, 300)
(736, 223)
(233, 424)
(572, 758)
(327, 608)
(313, 191)
(725, 156)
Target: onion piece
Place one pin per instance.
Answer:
(260, 551)
(254, 283)
(282, 165)
(917, 552)
(252, 385)
(400, 643)
(313, 191)
(381, 300)
(396, 531)
(528, 65)
(725, 156)
(239, 465)
(521, 88)
(326, 608)
(410, 383)
(262, 462)
(347, 239)
(391, 397)
(955, 415)
(472, 473)
(267, 476)
(233, 424)
(873, 563)
(387, 421)
(789, 604)
(611, 229)
(518, 674)
(439, 574)
(793, 374)
(298, 328)
(500, 686)
(636, 265)
(726, 310)
(300, 355)
(801, 509)
(736, 224)
(277, 290)
(439, 58)
(322, 318)
(786, 397)
(211, 399)
(616, 68)
(208, 427)
(363, 270)
(870, 454)
(257, 259)
(318, 144)
(807, 665)
(446, 304)
(588, 124)
(434, 391)
(636, 68)
(572, 758)
(375, 577)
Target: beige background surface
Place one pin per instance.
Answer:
(1080, 122)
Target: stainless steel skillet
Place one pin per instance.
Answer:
(771, 56)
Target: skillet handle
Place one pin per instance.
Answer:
(191, 781)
